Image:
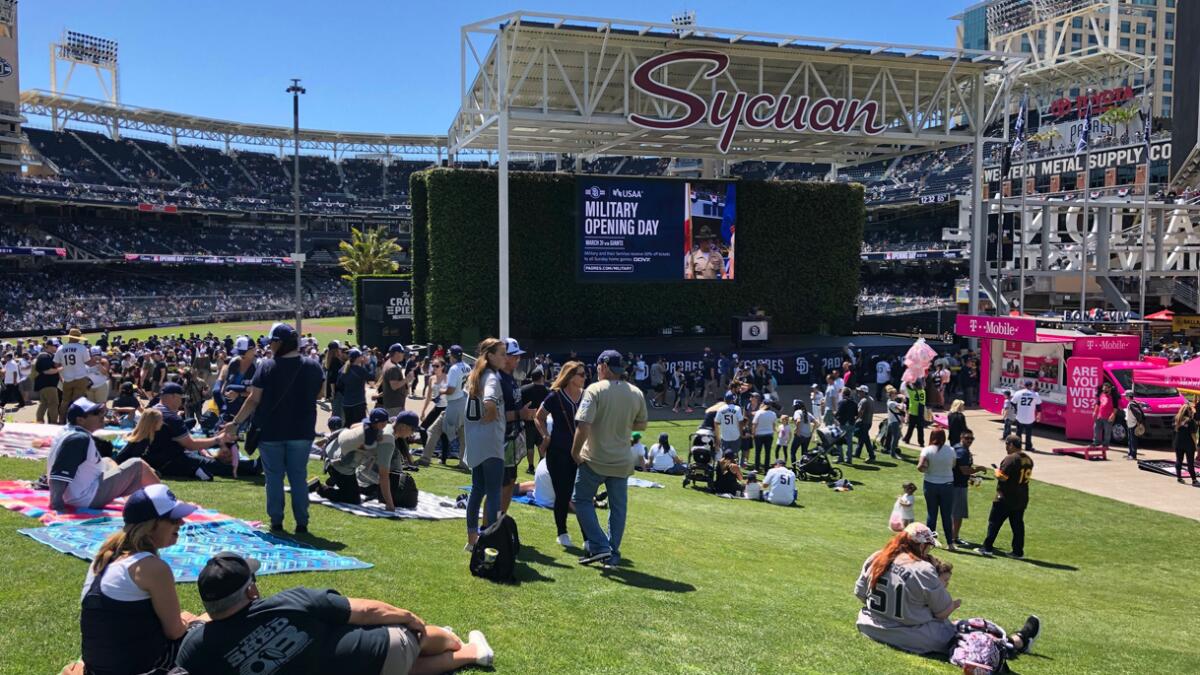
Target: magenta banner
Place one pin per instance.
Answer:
(1109, 347)
(1083, 382)
(996, 327)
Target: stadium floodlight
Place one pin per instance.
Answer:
(683, 21)
(88, 49)
(297, 255)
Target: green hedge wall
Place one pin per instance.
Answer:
(798, 258)
(419, 255)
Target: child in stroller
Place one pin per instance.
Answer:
(701, 467)
(816, 464)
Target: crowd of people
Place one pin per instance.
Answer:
(911, 297)
(113, 298)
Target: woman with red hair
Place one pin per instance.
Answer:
(905, 602)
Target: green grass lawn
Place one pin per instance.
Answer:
(333, 328)
(712, 585)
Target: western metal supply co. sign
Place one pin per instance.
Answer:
(730, 111)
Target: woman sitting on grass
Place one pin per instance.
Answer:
(729, 475)
(905, 601)
(138, 440)
(131, 621)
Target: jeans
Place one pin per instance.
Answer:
(47, 410)
(864, 441)
(1102, 430)
(762, 451)
(851, 430)
(486, 480)
(1008, 427)
(893, 439)
(335, 408)
(1131, 440)
(587, 482)
(939, 497)
(290, 458)
(800, 442)
(1015, 517)
(1026, 430)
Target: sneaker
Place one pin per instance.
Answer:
(595, 558)
(486, 656)
(301, 529)
(529, 469)
(688, 410)
(1016, 556)
(564, 540)
(962, 542)
(612, 563)
(314, 484)
(277, 527)
(1029, 632)
(986, 552)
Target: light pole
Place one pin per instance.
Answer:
(297, 254)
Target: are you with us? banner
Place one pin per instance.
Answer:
(638, 229)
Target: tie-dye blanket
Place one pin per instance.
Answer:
(20, 496)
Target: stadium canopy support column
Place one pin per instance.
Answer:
(502, 187)
(977, 188)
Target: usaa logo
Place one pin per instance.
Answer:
(594, 192)
(5, 68)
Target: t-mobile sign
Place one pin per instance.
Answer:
(1084, 375)
(998, 327)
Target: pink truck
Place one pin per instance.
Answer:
(1067, 368)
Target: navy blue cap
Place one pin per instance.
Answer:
(282, 331)
(396, 348)
(172, 388)
(82, 407)
(335, 423)
(378, 415)
(730, 397)
(353, 354)
(613, 359)
(154, 501)
(456, 350)
(663, 437)
(408, 417)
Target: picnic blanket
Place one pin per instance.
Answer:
(528, 499)
(200, 541)
(23, 440)
(634, 481)
(429, 507)
(21, 497)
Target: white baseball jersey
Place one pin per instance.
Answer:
(730, 419)
(457, 378)
(780, 484)
(1026, 403)
(73, 358)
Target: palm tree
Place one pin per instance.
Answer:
(368, 253)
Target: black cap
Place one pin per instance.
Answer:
(282, 331)
(223, 579)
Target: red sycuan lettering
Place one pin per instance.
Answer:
(729, 110)
(1101, 101)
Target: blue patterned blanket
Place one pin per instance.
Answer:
(200, 541)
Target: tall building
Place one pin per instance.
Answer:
(1082, 43)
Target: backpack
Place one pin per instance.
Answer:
(405, 494)
(979, 647)
(500, 538)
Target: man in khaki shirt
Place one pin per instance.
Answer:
(609, 411)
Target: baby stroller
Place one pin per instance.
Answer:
(815, 464)
(701, 459)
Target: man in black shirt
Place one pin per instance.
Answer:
(174, 452)
(532, 395)
(1012, 497)
(305, 630)
(847, 418)
(45, 381)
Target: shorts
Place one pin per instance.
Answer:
(730, 445)
(402, 652)
(960, 502)
(660, 388)
(118, 481)
(532, 437)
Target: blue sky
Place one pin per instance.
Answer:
(374, 65)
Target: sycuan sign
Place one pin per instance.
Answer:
(728, 111)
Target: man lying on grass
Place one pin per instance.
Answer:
(306, 630)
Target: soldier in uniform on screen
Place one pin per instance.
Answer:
(705, 262)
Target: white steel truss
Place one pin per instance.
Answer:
(565, 85)
(68, 108)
